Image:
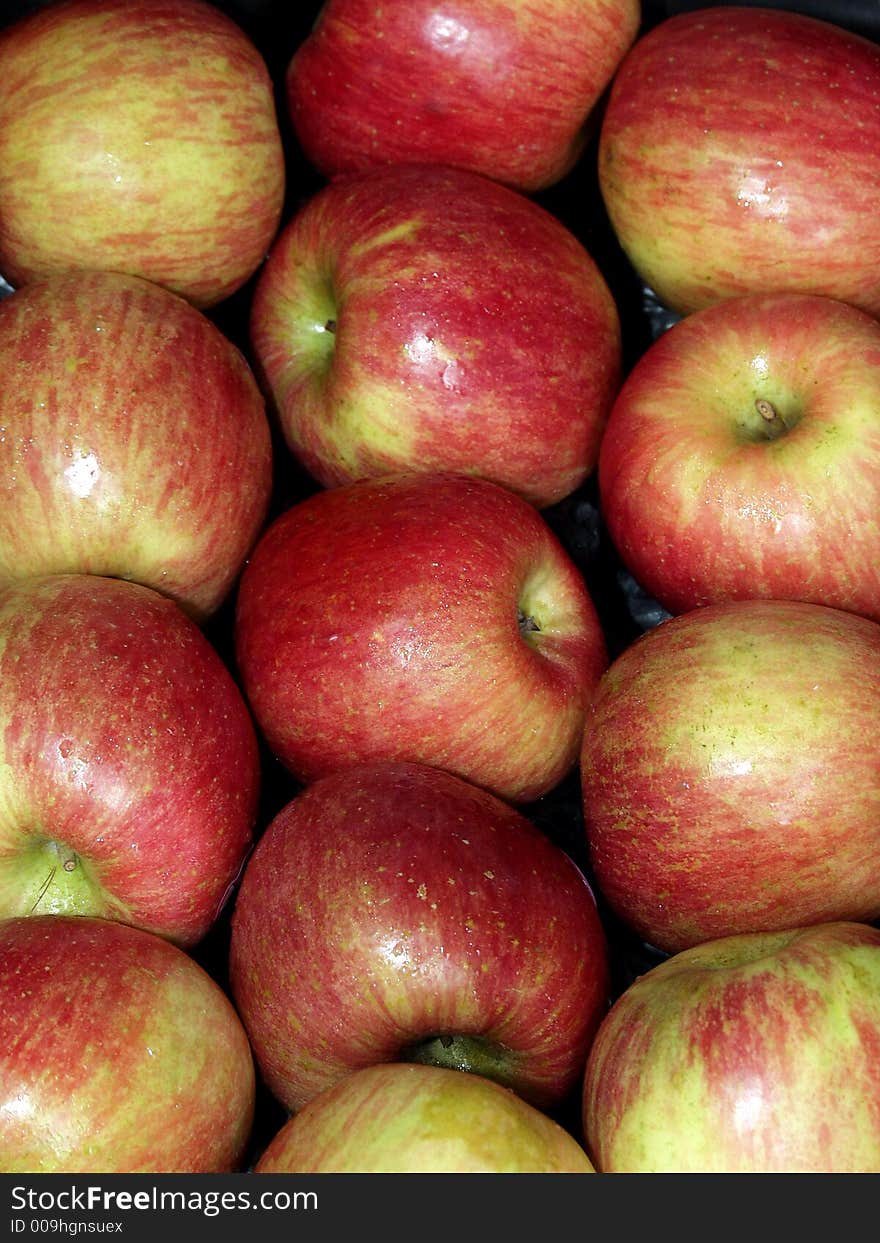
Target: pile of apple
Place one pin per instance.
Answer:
(297, 665)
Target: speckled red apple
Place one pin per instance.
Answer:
(731, 772)
(425, 318)
(393, 912)
(118, 1054)
(133, 439)
(739, 152)
(749, 1054)
(742, 456)
(495, 86)
(137, 136)
(129, 769)
(420, 617)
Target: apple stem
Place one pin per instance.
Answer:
(767, 410)
(472, 1054)
(330, 325)
(69, 858)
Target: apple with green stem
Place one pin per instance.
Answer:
(754, 1053)
(501, 88)
(137, 136)
(129, 765)
(742, 456)
(134, 440)
(432, 618)
(730, 772)
(426, 318)
(393, 912)
(407, 1119)
(739, 151)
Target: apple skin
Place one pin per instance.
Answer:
(493, 86)
(137, 136)
(754, 1053)
(129, 767)
(739, 152)
(431, 618)
(472, 332)
(731, 773)
(135, 439)
(408, 1119)
(393, 912)
(707, 500)
(118, 1054)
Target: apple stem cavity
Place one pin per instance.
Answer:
(773, 422)
(470, 1054)
(68, 860)
(67, 857)
(316, 328)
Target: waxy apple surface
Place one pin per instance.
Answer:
(393, 912)
(740, 153)
(431, 618)
(137, 136)
(495, 86)
(742, 456)
(129, 769)
(405, 1119)
(134, 439)
(118, 1054)
(749, 1054)
(731, 773)
(428, 319)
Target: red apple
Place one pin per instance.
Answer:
(404, 1119)
(740, 152)
(393, 912)
(494, 86)
(419, 318)
(129, 770)
(133, 439)
(137, 136)
(742, 456)
(731, 773)
(118, 1053)
(750, 1054)
(431, 618)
